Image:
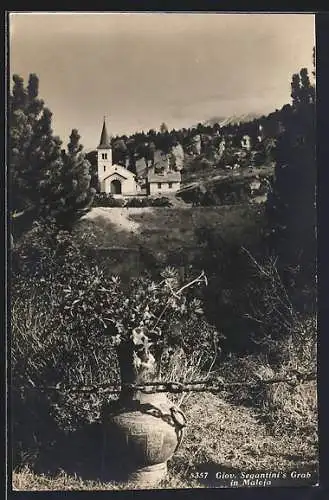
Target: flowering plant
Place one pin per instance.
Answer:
(149, 309)
(142, 317)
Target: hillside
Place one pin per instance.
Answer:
(161, 229)
(132, 239)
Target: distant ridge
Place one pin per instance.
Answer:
(232, 120)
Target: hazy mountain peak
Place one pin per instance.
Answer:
(233, 119)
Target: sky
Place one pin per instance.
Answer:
(142, 69)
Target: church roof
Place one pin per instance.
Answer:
(104, 142)
(120, 171)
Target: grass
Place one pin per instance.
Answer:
(221, 436)
(162, 230)
(234, 431)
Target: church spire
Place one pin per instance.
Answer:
(104, 142)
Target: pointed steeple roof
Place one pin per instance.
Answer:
(104, 142)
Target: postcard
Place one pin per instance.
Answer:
(162, 180)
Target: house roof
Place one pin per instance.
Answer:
(167, 177)
(104, 142)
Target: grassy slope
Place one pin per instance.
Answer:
(162, 230)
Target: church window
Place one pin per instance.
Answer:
(159, 185)
(104, 156)
(104, 168)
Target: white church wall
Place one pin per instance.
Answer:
(128, 186)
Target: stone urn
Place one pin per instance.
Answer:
(142, 430)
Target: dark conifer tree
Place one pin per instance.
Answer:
(43, 183)
(76, 195)
(291, 207)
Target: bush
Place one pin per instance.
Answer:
(49, 347)
(107, 201)
(66, 319)
(246, 297)
(137, 202)
(161, 202)
(148, 202)
(284, 408)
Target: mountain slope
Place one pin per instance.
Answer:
(231, 120)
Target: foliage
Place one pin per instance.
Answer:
(136, 202)
(67, 320)
(284, 407)
(44, 182)
(227, 190)
(34, 153)
(291, 207)
(107, 200)
(119, 152)
(246, 297)
(75, 182)
(162, 201)
(116, 309)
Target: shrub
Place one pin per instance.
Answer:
(246, 297)
(107, 200)
(161, 202)
(67, 318)
(48, 348)
(137, 202)
(284, 407)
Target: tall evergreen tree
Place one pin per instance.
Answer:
(37, 166)
(75, 194)
(34, 153)
(291, 207)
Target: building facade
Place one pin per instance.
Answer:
(118, 181)
(161, 184)
(113, 179)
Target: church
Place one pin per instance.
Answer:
(121, 182)
(113, 179)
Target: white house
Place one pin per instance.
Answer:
(163, 183)
(114, 179)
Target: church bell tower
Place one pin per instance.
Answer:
(104, 154)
